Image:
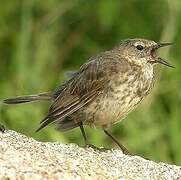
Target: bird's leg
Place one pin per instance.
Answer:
(83, 133)
(87, 144)
(2, 128)
(125, 151)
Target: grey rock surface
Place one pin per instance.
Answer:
(22, 157)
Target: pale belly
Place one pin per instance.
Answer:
(115, 102)
(114, 105)
(111, 109)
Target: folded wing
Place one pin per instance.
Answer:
(84, 86)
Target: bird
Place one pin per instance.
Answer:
(104, 90)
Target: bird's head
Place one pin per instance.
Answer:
(142, 51)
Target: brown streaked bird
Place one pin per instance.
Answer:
(104, 90)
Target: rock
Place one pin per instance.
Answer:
(22, 157)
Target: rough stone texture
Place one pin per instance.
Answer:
(22, 157)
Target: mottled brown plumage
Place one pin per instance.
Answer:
(105, 89)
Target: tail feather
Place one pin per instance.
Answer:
(29, 98)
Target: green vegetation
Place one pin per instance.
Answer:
(41, 40)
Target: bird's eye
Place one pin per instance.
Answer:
(139, 47)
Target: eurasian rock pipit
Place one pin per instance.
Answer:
(104, 90)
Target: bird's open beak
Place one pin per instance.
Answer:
(159, 45)
(160, 60)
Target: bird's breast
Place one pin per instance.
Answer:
(122, 95)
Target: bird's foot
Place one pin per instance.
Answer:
(2, 128)
(96, 148)
(126, 152)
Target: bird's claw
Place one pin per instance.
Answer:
(96, 148)
(2, 128)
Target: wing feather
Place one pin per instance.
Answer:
(67, 111)
(82, 88)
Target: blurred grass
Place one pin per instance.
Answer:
(40, 41)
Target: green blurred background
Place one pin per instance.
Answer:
(41, 40)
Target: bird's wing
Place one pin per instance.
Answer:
(81, 89)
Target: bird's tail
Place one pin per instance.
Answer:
(29, 98)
